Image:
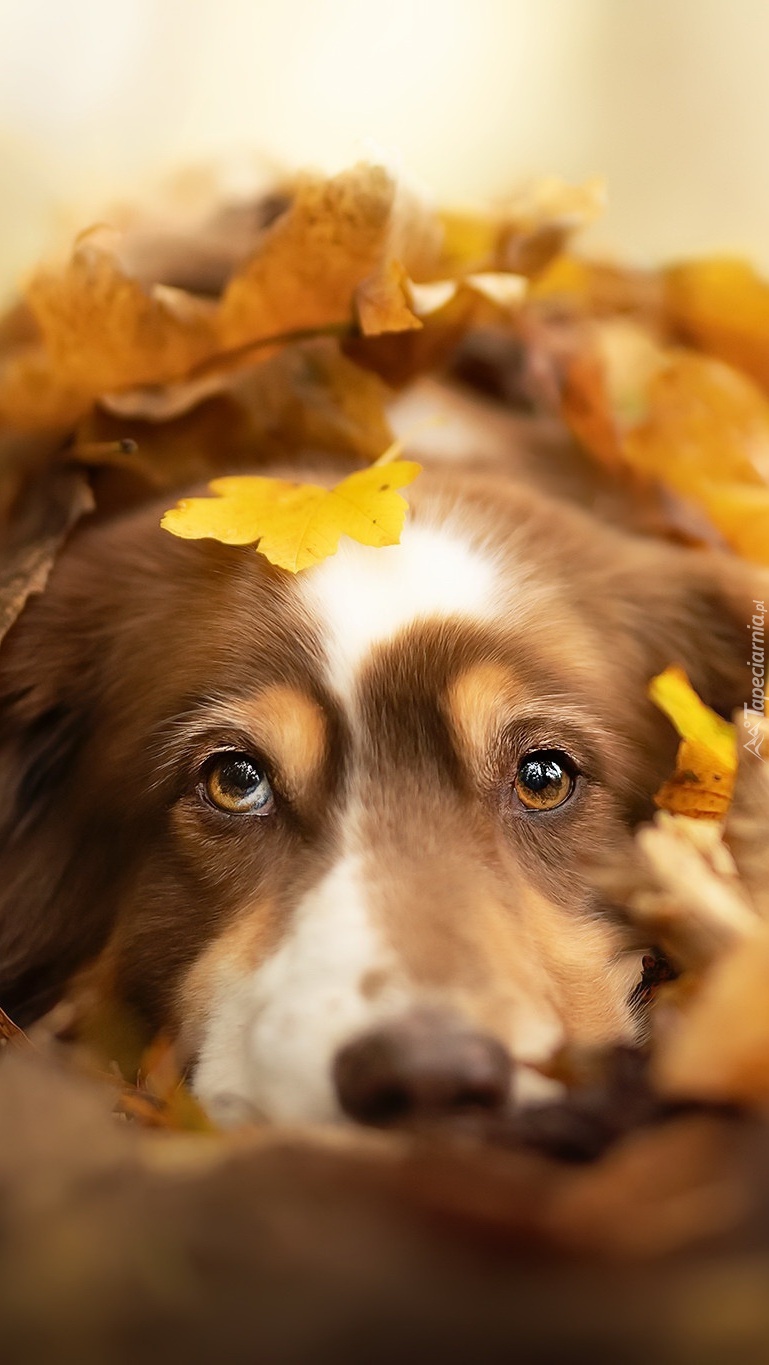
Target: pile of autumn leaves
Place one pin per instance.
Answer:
(345, 288)
(293, 334)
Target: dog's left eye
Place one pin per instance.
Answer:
(545, 779)
(237, 784)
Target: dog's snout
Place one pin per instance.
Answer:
(423, 1066)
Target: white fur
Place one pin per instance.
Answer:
(272, 1033)
(272, 1036)
(365, 596)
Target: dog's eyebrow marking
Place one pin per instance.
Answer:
(487, 698)
(366, 596)
(294, 730)
(475, 701)
(285, 724)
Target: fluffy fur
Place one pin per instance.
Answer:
(390, 695)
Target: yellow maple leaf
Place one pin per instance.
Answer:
(706, 763)
(296, 525)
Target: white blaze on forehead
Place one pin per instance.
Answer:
(362, 596)
(272, 1034)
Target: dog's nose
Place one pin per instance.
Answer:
(422, 1066)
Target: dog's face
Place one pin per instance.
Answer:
(337, 832)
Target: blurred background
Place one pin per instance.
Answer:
(667, 99)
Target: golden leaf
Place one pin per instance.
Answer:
(340, 256)
(606, 386)
(311, 261)
(104, 330)
(296, 525)
(693, 423)
(721, 304)
(384, 304)
(706, 763)
(706, 436)
(526, 234)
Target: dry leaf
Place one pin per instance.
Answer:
(701, 420)
(307, 399)
(338, 256)
(526, 234)
(698, 427)
(606, 384)
(719, 1048)
(296, 525)
(102, 330)
(721, 305)
(704, 901)
(600, 289)
(50, 509)
(304, 276)
(161, 1089)
(706, 762)
(10, 1033)
(684, 891)
(383, 302)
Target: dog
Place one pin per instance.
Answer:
(336, 832)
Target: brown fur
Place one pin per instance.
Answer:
(145, 650)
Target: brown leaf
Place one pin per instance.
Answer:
(718, 1047)
(311, 261)
(52, 507)
(11, 1033)
(307, 399)
(690, 422)
(383, 302)
(104, 330)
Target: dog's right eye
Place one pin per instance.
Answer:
(236, 783)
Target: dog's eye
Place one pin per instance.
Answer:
(236, 783)
(545, 779)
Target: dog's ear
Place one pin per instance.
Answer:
(696, 608)
(48, 923)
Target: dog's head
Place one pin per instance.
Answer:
(336, 831)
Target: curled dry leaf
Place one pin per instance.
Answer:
(11, 1033)
(309, 398)
(383, 302)
(50, 508)
(296, 525)
(694, 424)
(699, 891)
(686, 894)
(102, 330)
(338, 256)
(527, 232)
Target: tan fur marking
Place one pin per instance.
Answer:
(288, 726)
(476, 701)
(295, 732)
(237, 951)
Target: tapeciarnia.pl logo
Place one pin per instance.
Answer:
(756, 707)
